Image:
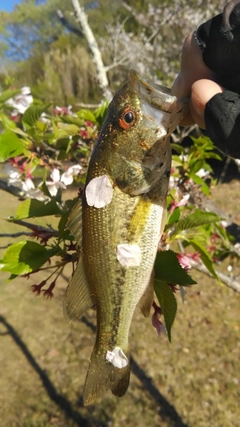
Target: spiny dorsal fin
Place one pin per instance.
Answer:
(74, 223)
(77, 297)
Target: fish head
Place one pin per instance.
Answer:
(134, 142)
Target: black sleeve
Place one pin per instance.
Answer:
(222, 120)
(219, 39)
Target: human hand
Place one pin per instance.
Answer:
(210, 76)
(194, 81)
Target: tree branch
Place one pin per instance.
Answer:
(68, 25)
(15, 191)
(14, 235)
(34, 226)
(228, 281)
(86, 30)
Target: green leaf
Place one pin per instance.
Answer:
(72, 120)
(204, 257)
(25, 256)
(100, 113)
(195, 220)
(201, 183)
(31, 208)
(178, 148)
(174, 216)
(7, 94)
(7, 123)
(32, 114)
(167, 303)
(10, 145)
(86, 115)
(65, 130)
(168, 269)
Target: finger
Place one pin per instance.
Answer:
(202, 91)
(192, 68)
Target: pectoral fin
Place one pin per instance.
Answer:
(146, 300)
(77, 297)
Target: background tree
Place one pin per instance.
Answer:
(39, 49)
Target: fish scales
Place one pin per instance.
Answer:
(122, 218)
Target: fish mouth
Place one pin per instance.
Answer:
(158, 103)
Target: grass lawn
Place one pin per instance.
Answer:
(193, 382)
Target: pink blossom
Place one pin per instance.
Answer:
(184, 261)
(89, 123)
(64, 111)
(182, 202)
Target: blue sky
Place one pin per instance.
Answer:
(8, 4)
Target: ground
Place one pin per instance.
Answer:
(193, 382)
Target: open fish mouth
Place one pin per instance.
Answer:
(157, 102)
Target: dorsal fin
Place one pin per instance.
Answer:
(74, 222)
(77, 297)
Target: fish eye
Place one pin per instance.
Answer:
(127, 118)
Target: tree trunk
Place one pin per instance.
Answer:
(81, 18)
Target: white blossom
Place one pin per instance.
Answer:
(68, 176)
(21, 102)
(55, 183)
(26, 185)
(12, 172)
(202, 173)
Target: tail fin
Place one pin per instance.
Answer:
(103, 375)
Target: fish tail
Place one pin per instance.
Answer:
(102, 375)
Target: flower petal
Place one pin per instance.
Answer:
(129, 255)
(67, 178)
(55, 175)
(74, 170)
(117, 358)
(99, 192)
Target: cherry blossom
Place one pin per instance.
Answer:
(182, 202)
(26, 185)
(21, 102)
(55, 183)
(184, 261)
(68, 176)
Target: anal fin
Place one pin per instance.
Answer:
(77, 296)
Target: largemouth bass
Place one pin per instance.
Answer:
(118, 225)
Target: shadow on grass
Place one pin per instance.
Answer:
(167, 410)
(51, 390)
